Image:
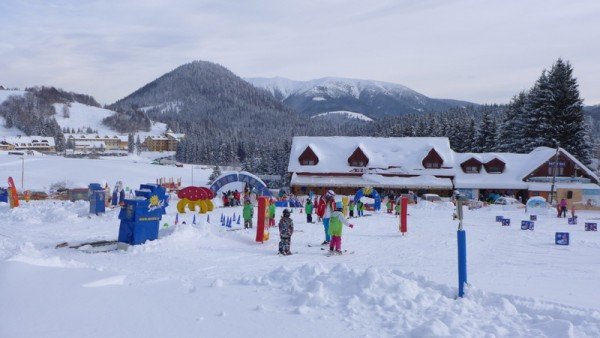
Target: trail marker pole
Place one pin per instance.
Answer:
(461, 238)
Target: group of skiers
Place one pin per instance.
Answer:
(328, 210)
(309, 208)
(231, 198)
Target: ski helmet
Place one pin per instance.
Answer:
(286, 212)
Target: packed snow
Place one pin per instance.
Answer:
(347, 114)
(202, 280)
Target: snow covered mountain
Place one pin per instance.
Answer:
(372, 98)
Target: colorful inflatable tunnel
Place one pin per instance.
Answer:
(247, 178)
(369, 192)
(194, 198)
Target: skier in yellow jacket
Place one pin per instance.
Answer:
(336, 223)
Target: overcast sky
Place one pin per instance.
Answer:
(481, 51)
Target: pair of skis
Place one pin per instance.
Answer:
(329, 253)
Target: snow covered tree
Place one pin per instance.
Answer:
(566, 112)
(65, 111)
(215, 173)
(485, 138)
(555, 113)
(138, 145)
(512, 122)
(130, 143)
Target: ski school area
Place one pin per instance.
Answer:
(164, 262)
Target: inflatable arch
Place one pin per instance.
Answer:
(242, 176)
(369, 192)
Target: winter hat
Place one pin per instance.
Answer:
(286, 212)
(338, 206)
(331, 193)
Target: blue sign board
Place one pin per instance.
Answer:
(140, 217)
(572, 220)
(533, 217)
(505, 222)
(97, 198)
(561, 238)
(499, 218)
(3, 195)
(526, 225)
(591, 227)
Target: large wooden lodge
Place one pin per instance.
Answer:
(429, 165)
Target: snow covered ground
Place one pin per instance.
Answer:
(205, 281)
(43, 171)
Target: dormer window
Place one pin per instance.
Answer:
(495, 166)
(433, 160)
(358, 158)
(308, 157)
(471, 166)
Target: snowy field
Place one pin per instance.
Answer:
(204, 281)
(43, 171)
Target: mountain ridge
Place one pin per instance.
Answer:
(370, 97)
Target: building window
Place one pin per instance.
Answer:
(559, 171)
(472, 169)
(307, 162)
(569, 195)
(358, 164)
(432, 165)
(494, 170)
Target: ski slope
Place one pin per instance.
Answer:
(200, 280)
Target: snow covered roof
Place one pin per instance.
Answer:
(404, 156)
(122, 138)
(177, 136)
(29, 141)
(400, 154)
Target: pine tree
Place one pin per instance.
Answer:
(485, 138)
(130, 143)
(138, 145)
(555, 113)
(215, 173)
(566, 112)
(510, 133)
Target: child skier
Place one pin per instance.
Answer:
(286, 229)
(336, 221)
(272, 213)
(308, 208)
(388, 204)
(397, 208)
(326, 207)
(351, 206)
(248, 212)
(360, 207)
